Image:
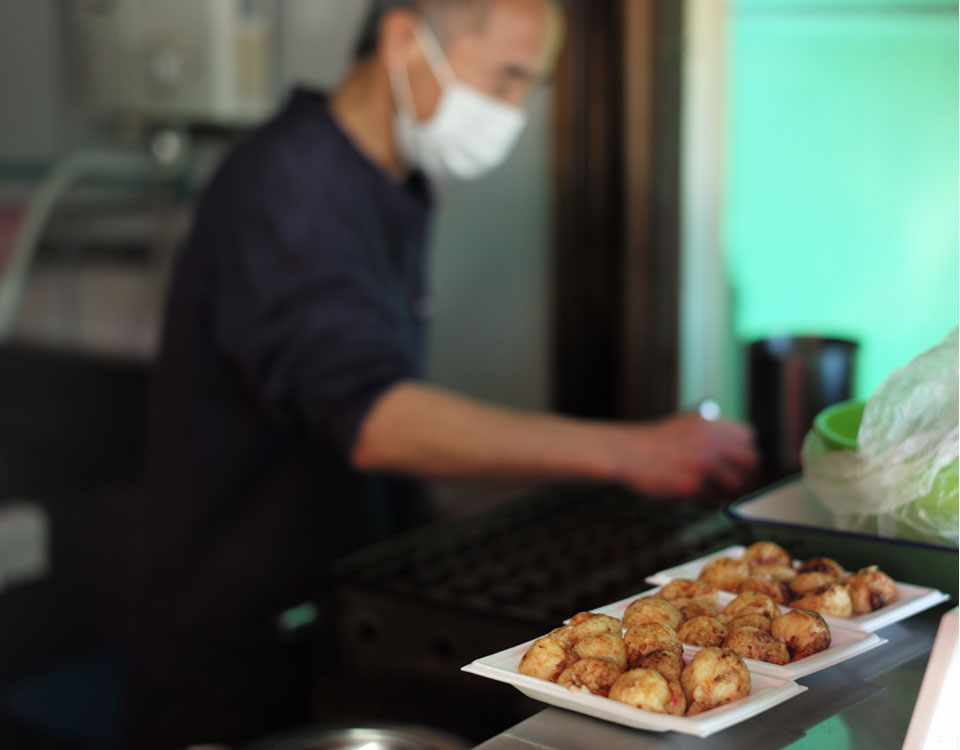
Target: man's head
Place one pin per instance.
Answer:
(437, 13)
(502, 48)
(440, 84)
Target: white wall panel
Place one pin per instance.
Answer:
(31, 98)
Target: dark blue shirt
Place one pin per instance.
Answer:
(297, 302)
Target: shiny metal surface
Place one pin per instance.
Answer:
(866, 702)
(359, 738)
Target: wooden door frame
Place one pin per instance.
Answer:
(617, 246)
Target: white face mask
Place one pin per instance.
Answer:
(469, 134)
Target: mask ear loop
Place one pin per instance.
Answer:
(434, 54)
(436, 60)
(402, 91)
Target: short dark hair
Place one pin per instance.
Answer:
(370, 32)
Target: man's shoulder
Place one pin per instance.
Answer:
(290, 142)
(300, 151)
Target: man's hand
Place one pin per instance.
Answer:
(686, 454)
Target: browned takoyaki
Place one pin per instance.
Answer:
(822, 565)
(725, 573)
(702, 631)
(773, 572)
(803, 632)
(767, 553)
(649, 690)
(752, 603)
(753, 643)
(776, 590)
(607, 646)
(762, 622)
(668, 663)
(714, 677)
(810, 581)
(682, 591)
(651, 609)
(649, 637)
(590, 675)
(870, 589)
(586, 624)
(833, 599)
(547, 658)
(698, 609)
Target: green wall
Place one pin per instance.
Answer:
(841, 202)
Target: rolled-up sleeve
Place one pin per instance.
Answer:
(305, 315)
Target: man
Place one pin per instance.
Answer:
(289, 382)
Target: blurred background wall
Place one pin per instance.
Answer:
(32, 114)
(841, 202)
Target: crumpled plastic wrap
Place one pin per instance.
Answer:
(902, 481)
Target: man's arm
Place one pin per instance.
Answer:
(425, 431)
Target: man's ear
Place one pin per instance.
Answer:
(398, 46)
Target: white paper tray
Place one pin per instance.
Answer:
(913, 599)
(767, 692)
(934, 724)
(844, 643)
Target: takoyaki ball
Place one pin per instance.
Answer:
(761, 622)
(651, 609)
(547, 658)
(776, 590)
(649, 690)
(833, 599)
(809, 581)
(581, 617)
(702, 631)
(777, 653)
(822, 565)
(597, 623)
(870, 589)
(715, 676)
(773, 572)
(803, 632)
(698, 609)
(682, 591)
(725, 573)
(604, 646)
(767, 553)
(752, 603)
(649, 637)
(586, 624)
(668, 663)
(590, 676)
(753, 643)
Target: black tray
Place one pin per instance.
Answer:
(912, 562)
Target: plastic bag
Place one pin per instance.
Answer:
(902, 481)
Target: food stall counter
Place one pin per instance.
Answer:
(867, 701)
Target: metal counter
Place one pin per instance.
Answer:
(866, 702)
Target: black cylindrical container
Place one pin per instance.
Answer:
(792, 379)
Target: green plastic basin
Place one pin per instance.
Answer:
(839, 424)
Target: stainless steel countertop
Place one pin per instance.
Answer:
(866, 702)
